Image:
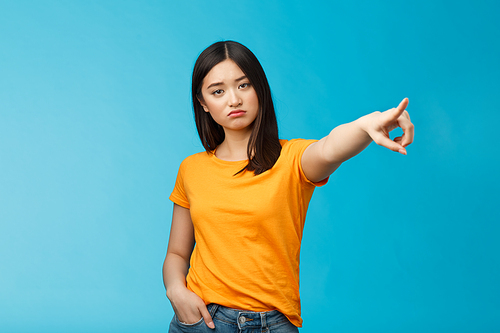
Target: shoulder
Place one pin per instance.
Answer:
(194, 160)
(295, 146)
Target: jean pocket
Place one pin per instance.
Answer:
(182, 324)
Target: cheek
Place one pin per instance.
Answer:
(210, 103)
(255, 101)
(214, 106)
(252, 98)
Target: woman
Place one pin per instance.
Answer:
(243, 202)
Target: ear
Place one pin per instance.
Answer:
(203, 104)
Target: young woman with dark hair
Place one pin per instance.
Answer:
(264, 129)
(243, 201)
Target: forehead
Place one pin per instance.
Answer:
(226, 70)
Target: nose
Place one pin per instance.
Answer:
(234, 99)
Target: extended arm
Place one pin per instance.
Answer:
(188, 306)
(322, 158)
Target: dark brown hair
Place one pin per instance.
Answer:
(263, 147)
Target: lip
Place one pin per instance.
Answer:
(236, 113)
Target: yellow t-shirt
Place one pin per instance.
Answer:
(248, 229)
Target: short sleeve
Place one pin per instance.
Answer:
(178, 195)
(295, 148)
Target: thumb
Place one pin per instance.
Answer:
(390, 144)
(207, 317)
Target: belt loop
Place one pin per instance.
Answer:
(213, 310)
(263, 319)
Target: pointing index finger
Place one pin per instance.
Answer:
(394, 113)
(402, 106)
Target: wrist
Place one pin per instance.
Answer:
(173, 291)
(365, 123)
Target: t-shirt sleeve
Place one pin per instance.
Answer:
(296, 148)
(178, 195)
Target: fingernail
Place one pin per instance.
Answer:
(211, 325)
(402, 151)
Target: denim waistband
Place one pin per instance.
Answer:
(246, 319)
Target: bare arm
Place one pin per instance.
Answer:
(180, 246)
(322, 158)
(188, 306)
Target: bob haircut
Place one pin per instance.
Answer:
(264, 146)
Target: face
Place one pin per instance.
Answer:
(229, 97)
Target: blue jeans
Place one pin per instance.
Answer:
(228, 320)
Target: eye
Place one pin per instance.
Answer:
(218, 92)
(244, 85)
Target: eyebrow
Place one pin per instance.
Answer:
(215, 84)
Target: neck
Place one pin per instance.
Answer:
(234, 146)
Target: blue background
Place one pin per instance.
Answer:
(95, 117)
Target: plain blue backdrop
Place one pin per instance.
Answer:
(95, 118)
